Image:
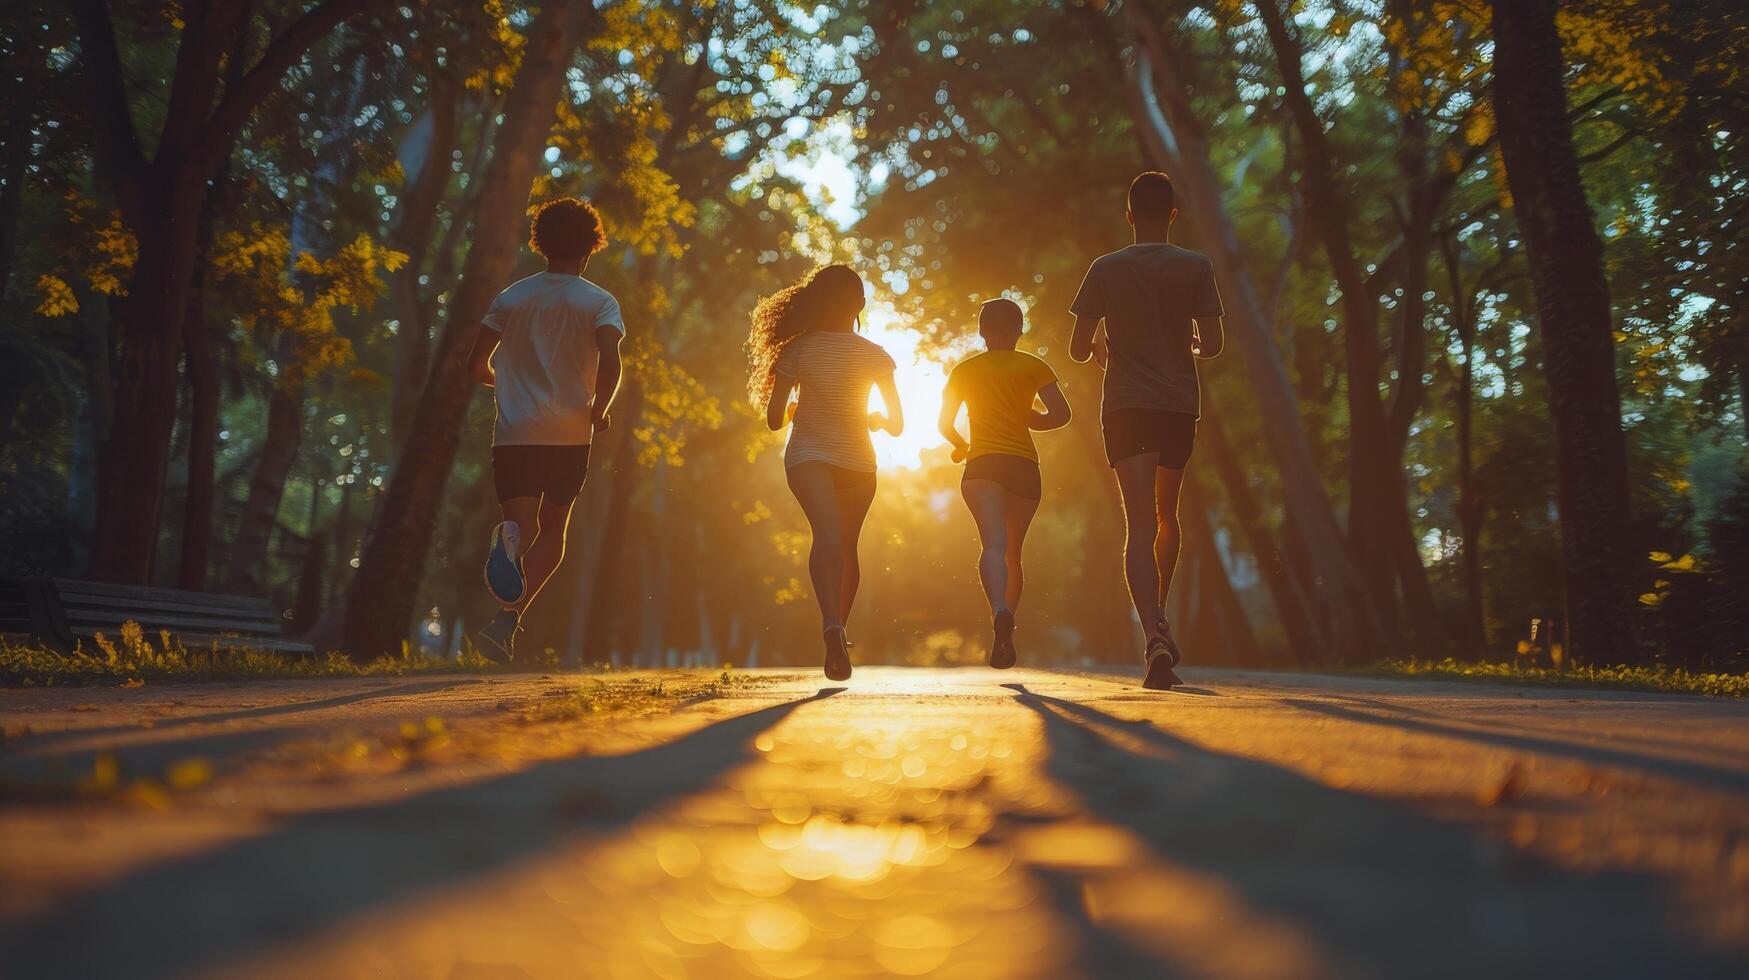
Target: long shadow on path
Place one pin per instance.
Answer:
(34, 742)
(1382, 890)
(1730, 780)
(322, 869)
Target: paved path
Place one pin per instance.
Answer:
(949, 823)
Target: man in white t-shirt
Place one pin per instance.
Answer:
(548, 347)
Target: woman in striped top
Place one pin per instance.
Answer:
(804, 341)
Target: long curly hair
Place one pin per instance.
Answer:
(828, 296)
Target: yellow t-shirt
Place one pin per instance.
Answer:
(998, 387)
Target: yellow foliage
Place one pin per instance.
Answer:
(504, 57)
(117, 251)
(257, 264)
(99, 248)
(675, 403)
(57, 297)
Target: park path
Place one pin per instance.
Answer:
(948, 823)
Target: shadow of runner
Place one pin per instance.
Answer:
(321, 869)
(1735, 781)
(1383, 891)
(37, 740)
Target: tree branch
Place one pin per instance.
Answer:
(258, 83)
(119, 155)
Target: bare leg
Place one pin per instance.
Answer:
(1167, 484)
(812, 485)
(547, 549)
(1136, 482)
(987, 501)
(1018, 515)
(853, 505)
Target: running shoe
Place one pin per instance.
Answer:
(504, 563)
(498, 638)
(1163, 655)
(837, 656)
(1002, 653)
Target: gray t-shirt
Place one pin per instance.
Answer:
(1148, 294)
(547, 357)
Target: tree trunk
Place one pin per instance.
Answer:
(427, 164)
(202, 370)
(380, 599)
(279, 450)
(92, 424)
(12, 194)
(1219, 600)
(1469, 507)
(1174, 135)
(1380, 532)
(132, 461)
(1285, 590)
(1573, 309)
(606, 582)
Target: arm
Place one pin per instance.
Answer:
(947, 424)
(607, 374)
(1056, 413)
(777, 406)
(480, 358)
(894, 419)
(1210, 339)
(1081, 338)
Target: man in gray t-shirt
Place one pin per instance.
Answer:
(1161, 312)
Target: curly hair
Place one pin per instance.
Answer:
(828, 295)
(566, 229)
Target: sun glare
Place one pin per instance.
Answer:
(828, 177)
(920, 376)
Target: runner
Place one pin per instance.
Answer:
(804, 341)
(1001, 484)
(548, 348)
(1162, 311)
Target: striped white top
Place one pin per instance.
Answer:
(835, 370)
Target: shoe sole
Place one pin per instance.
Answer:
(1002, 653)
(503, 578)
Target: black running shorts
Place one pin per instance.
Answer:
(1017, 474)
(843, 477)
(1135, 431)
(554, 472)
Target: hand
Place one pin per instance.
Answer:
(601, 421)
(959, 453)
(878, 422)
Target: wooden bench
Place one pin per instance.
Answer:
(64, 612)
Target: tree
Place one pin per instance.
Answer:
(1573, 310)
(161, 186)
(378, 606)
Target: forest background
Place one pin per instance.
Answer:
(1488, 351)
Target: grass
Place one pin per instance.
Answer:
(1664, 679)
(131, 659)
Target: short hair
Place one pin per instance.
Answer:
(1000, 315)
(1151, 196)
(566, 229)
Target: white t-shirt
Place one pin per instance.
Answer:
(546, 358)
(835, 370)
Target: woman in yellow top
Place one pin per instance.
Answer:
(1001, 484)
